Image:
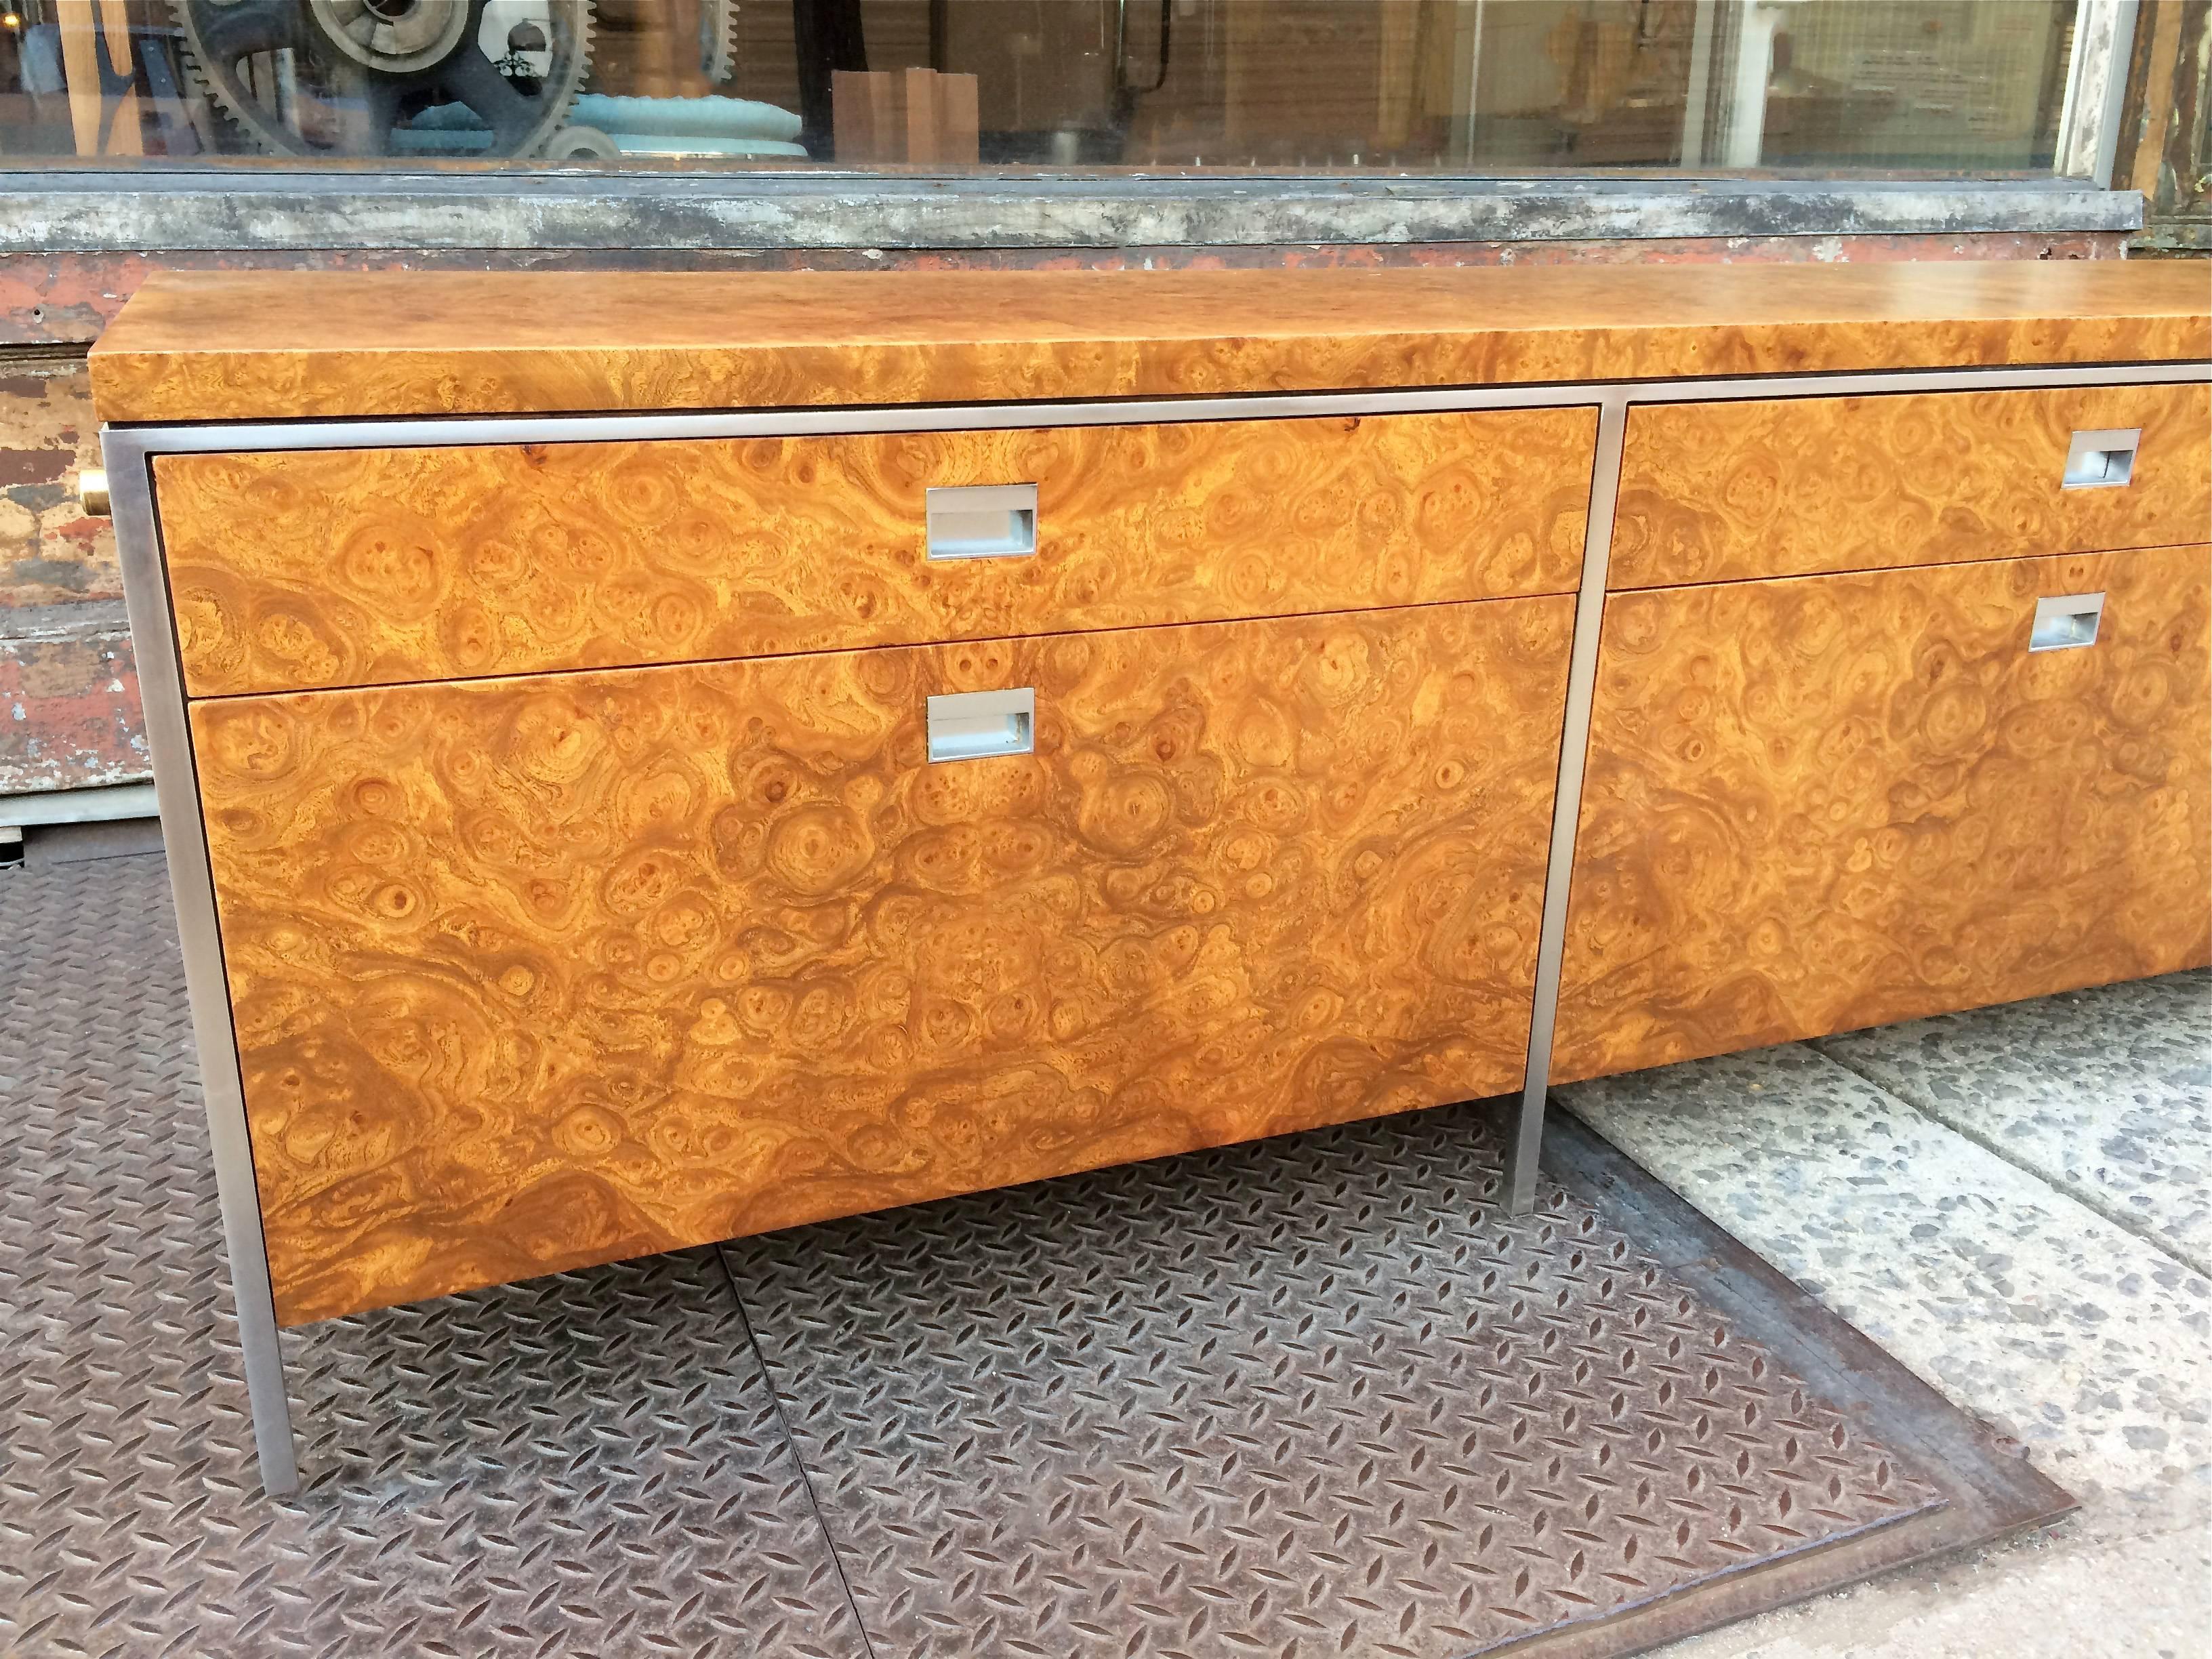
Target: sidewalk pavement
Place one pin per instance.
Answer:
(2017, 1203)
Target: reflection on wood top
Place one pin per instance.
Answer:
(210, 345)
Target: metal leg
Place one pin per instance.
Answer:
(1528, 1138)
(162, 687)
(1524, 1151)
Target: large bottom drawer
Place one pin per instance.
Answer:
(1835, 801)
(533, 973)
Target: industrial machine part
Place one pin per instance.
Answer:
(718, 55)
(1126, 88)
(679, 126)
(342, 77)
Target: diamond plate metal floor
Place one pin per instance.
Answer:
(1315, 1396)
(585, 1464)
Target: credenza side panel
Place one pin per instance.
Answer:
(538, 972)
(306, 568)
(1823, 803)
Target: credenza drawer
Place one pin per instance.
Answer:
(1726, 491)
(1829, 802)
(337, 568)
(535, 972)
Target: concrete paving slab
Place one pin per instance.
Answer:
(2087, 1344)
(2136, 1598)
(2104, 1093)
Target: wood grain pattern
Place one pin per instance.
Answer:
(1723, 491)
(206, 345)
(534, 973)
(303, 568)
(1835, 801)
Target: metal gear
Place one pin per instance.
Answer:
(398, 39)
(718, 50)
(360, 70)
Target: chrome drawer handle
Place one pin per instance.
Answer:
(981, 521)
(2066, 621)
(974, 724)
(2101, 460)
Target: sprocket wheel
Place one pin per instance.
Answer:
(360, 70)
(718, 31)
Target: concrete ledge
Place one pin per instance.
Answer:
(70, 211)
(108, 805)
(78, 619)
(2177, 236)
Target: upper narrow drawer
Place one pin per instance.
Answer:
(330, 568)
(1724, 491)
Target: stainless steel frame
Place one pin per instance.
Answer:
(131, 452)
(161, 690)
(1567, 800)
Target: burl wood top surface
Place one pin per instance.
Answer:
(536, 972)
(219, 345)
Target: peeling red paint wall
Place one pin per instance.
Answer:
(68, 685)
(68, 711)
(51, 551)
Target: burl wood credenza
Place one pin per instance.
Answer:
(646, 759)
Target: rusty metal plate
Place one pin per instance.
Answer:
(1316, 1395)
(586, 1464)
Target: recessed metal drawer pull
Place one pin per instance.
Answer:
(982, 521)
(974, 725)
(2066, 620)
(2102, 460)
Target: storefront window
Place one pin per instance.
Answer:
(1270, 86)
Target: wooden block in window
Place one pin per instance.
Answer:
(868, 116)
(959, 121)
(914, 115)
(922, 119)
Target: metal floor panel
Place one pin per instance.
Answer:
(587, 1464)
(1314, 1395)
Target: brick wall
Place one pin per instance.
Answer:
(69, 694)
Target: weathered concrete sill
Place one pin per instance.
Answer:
(51, 624)
(2176, 236)
(68, 211)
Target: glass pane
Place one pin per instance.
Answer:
(1917, 84)
(1482, 86)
